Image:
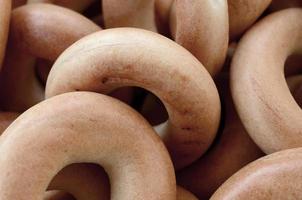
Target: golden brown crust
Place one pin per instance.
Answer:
(151, 15)
(243, 13)
(232, 150)
(133, 57)
(37, 30)
(276, 176)
(202, 27)
(82, 180)
(84, 127)
(37, 26)
(261, 95)
(130, 13)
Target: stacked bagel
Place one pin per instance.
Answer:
(157, 99)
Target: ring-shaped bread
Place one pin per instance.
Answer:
(260, 93)
(120, 57)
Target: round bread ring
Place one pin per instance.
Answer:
(257, 78)
(202, 27)
(243, 13)
(114, 136)
(233, 150)
(120, 57)
(78, 5)
(58, 195)
(37, 30)
(5, 12)
(82, 180)
(276, 176)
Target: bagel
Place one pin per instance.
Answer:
(82, 180)
(120, 57)
(84, 127)
(202, 27)
(37, 30)
(130, 13)
(276, 176)
(232, 150)
(260, 93)
(243, 13)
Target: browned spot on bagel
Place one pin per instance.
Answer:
(105, 80)
(187, 128)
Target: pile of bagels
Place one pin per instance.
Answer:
(150, 99)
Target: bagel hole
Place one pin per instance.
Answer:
(293, 73)
(295, 87)
(94, 9)
(154, 110)
(58, 195)
(84, 178)
(144, 102)
(222, 82)
(293, 65)
(298, 95)
(42, 69)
